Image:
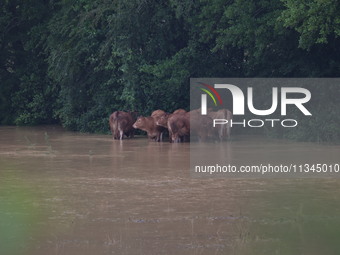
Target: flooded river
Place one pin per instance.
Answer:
(69, 193)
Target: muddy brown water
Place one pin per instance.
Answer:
(69, 193)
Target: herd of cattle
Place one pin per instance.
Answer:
(180, 124)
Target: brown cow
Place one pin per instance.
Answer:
(183, 124)
(121, 124)
(163, 120)
(201, 126)
(156, 115)
(181, 134)
(148, 124)
(222, 131)
(178, 126)
(179, 111)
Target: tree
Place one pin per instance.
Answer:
(75, 62)
(26, 97)
(316, 21)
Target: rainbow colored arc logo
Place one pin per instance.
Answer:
(211, 93)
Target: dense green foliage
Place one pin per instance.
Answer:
(75, 62)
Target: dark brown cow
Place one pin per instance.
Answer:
(148, 124)
(222, 131)
(121, 124)
(178, 126)
(180, 134)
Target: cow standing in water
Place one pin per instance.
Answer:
(222, 131)
(148, 124)
(121, 124)
(182, 125)
(156, 115)
(201, 126)
(178, 126)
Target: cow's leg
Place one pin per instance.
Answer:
(220, 135)
(170, 136)
(228, 132)
(115, 135)
(176, 138)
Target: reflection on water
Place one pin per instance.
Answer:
(70, 193)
